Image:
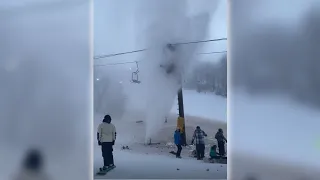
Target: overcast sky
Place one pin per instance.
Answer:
(118, 27)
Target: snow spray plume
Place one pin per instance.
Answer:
(45, 90)
(161, 87)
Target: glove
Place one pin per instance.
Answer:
(99, 143)
(113, 143)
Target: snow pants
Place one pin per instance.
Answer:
(221, 147)
(179, 150)
(107, 153)
(200, 150)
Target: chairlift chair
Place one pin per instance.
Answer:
(135, 78)
(171, 47)
(135, 75)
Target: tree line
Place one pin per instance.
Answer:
(209, 77)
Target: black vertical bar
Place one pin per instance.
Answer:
(181, 114)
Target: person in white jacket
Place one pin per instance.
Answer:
(106, 137)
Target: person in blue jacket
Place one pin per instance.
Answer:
(177, 141)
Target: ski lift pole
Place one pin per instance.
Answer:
(181, 120)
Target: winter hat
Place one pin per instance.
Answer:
(107, 118)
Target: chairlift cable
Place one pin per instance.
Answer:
(204, 41)
(111, 64)
(216, 52)
(136, 62)
(118, 54)
(141, 50)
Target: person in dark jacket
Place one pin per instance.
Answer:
(199, 135)
(177, 141)
(221, 142)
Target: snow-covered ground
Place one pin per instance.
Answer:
(204, 105)
(150, 166)
(155, 161)
(277, 134)
(275, 121)
(259, 124)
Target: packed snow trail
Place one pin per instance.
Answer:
(132, 165)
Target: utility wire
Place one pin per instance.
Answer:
(141, 50)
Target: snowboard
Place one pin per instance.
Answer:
(172, 152)
(104, 172)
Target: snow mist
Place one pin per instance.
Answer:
(160, 87)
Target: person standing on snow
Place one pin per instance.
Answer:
(106, 137)
(221, 142)
(199, 135)
(177, 141)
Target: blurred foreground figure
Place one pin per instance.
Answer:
(32, 167)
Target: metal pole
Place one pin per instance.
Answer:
(181, 115)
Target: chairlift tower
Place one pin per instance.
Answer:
(180, 120)
(181, 116)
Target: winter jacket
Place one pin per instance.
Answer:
(199, 135)
(213, 152)
(220, 137)
(106, 132)
(177, 137)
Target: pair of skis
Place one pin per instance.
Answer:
(103, 172)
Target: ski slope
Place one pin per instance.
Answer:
(282, 128)
(204, 105)
(145, 162)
